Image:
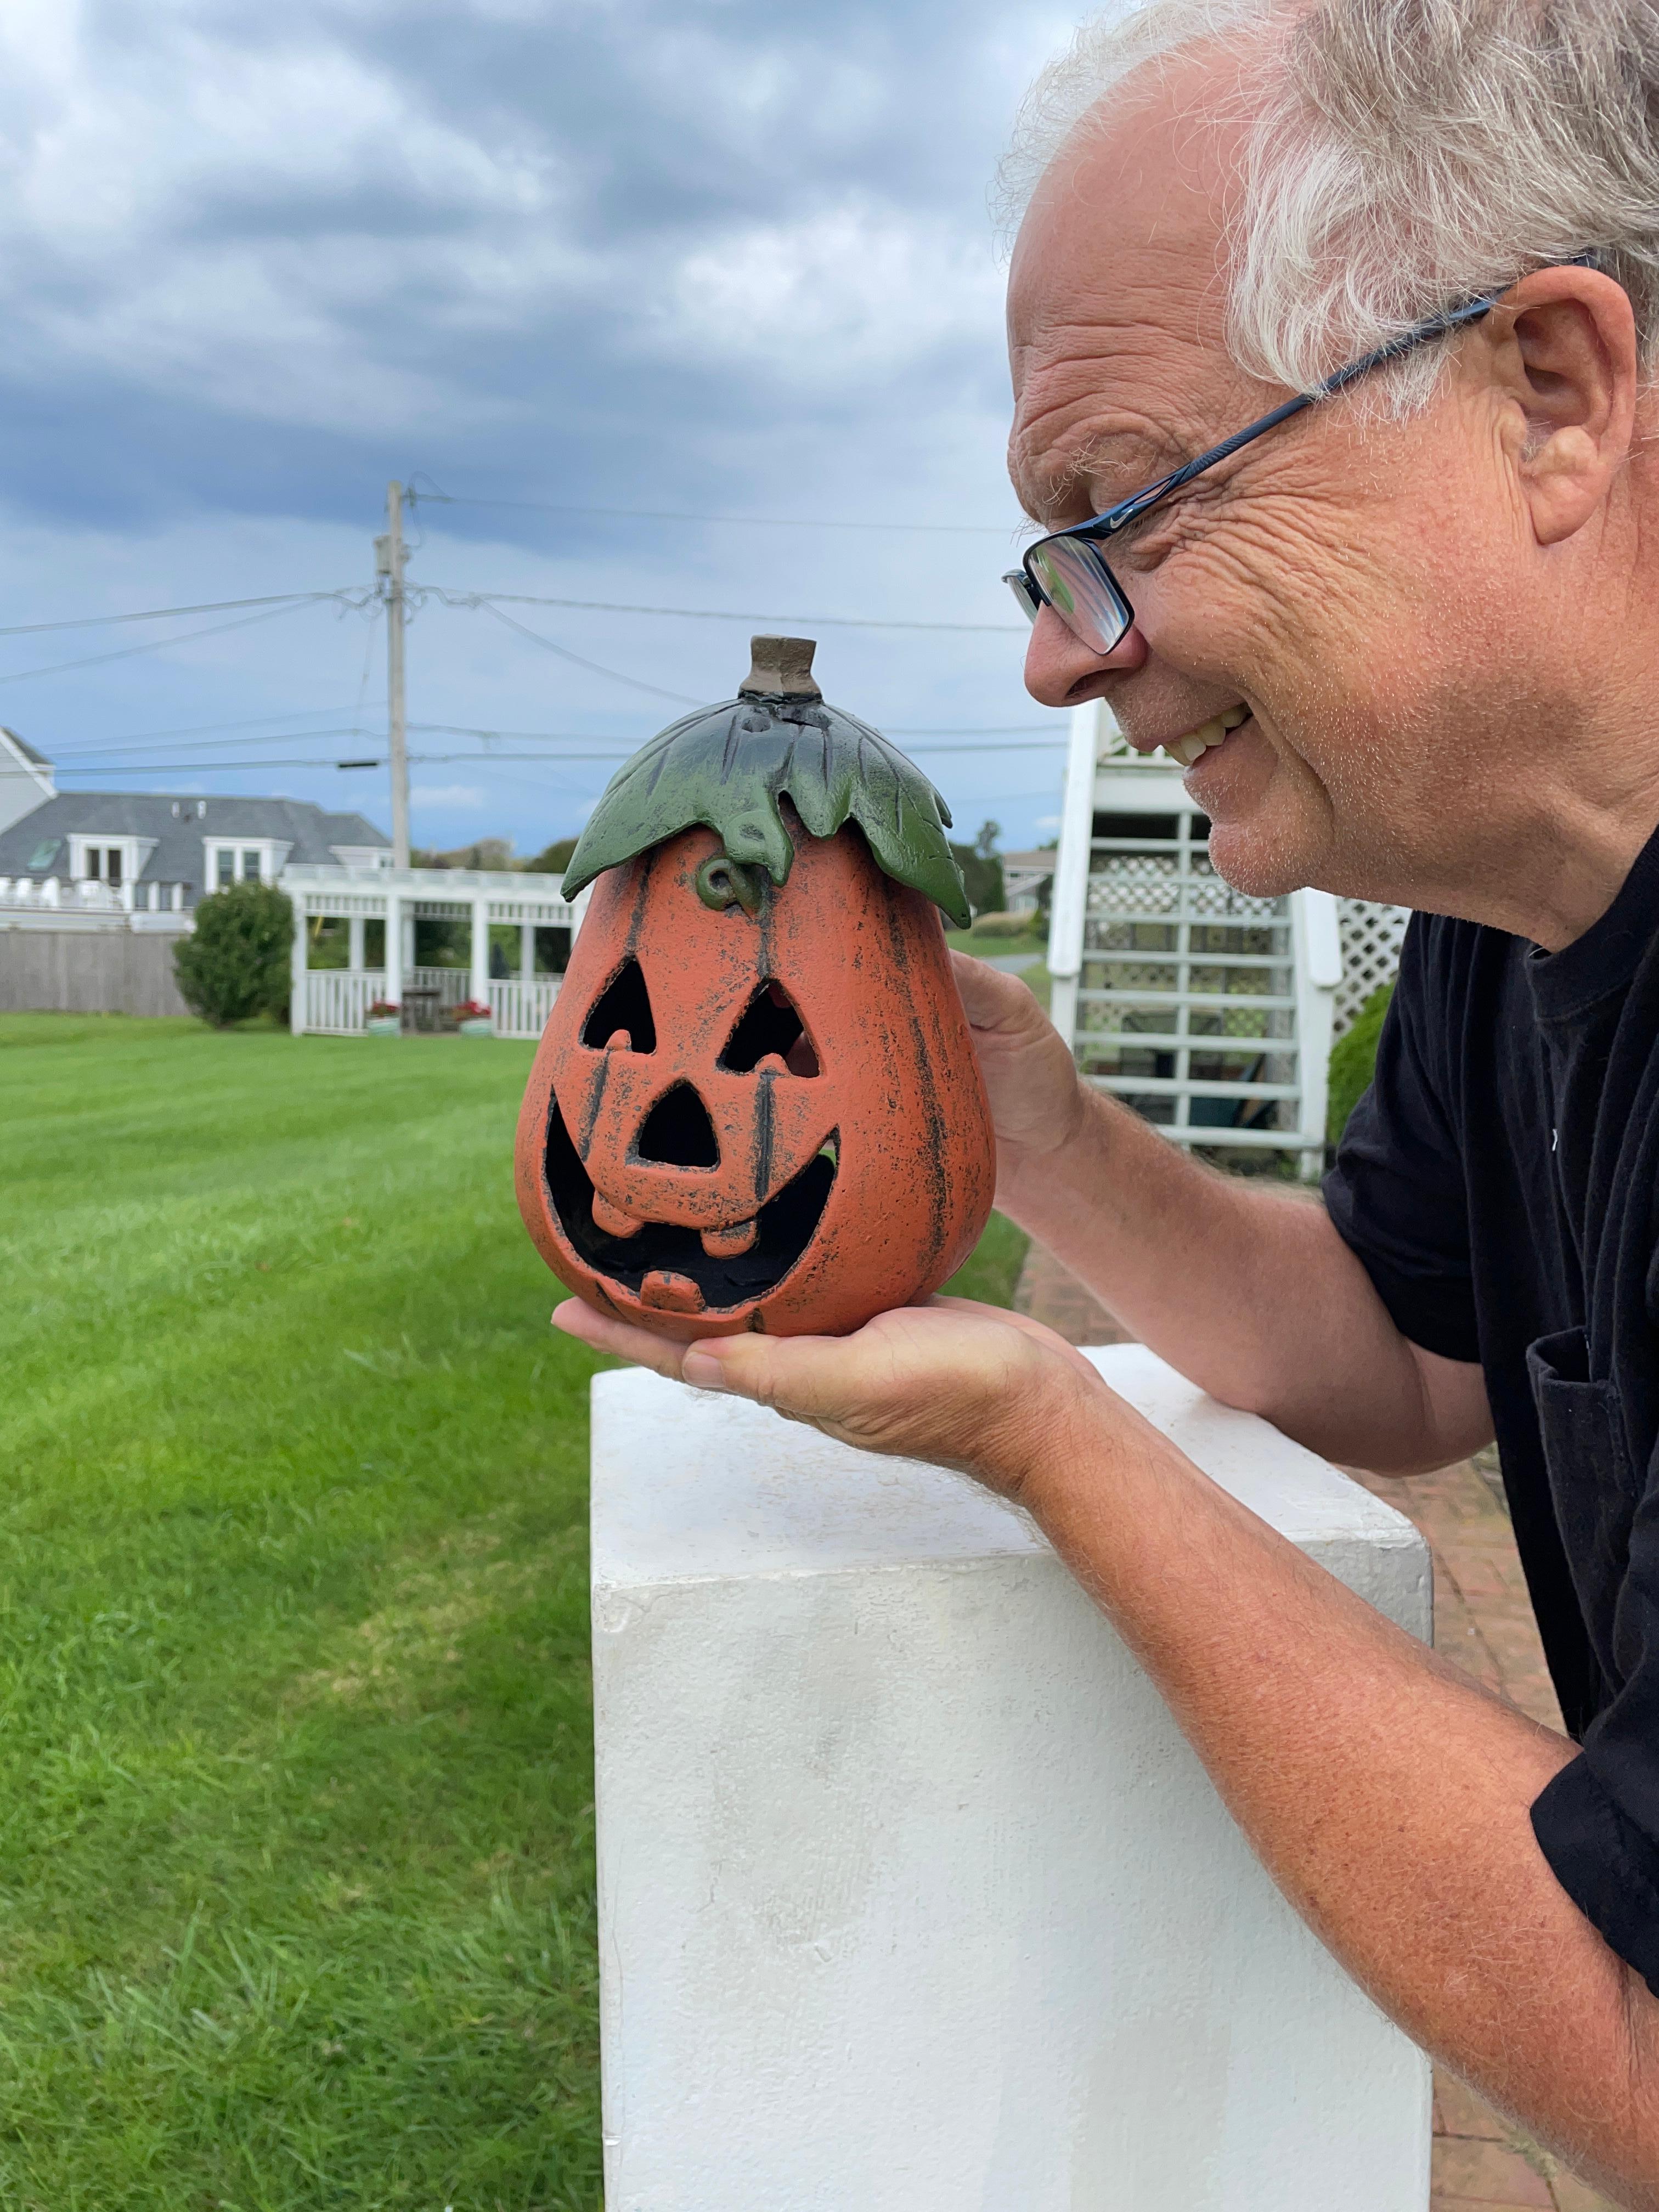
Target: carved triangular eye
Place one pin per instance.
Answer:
(624, 1004)
(769, 1028)
(679, 1133)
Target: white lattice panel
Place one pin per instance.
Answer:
(1371, 937)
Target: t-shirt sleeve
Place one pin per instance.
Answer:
(1396, 1193)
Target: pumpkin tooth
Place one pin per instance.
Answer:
(774, 1064)
(671, 1293)
(619, 1041)
(729, 1240)
(610, 1220)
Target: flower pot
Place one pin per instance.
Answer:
(478, 1025)
(384, 1025)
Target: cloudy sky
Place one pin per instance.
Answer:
(598, 274)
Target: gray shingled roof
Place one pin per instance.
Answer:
(24, 747)
(179, 829)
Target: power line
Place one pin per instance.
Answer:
(473, 760)
(161, 644)
(679, 698)
(493, 601)
(249, 722)
(600, 737)
(736, 521)
(94, 754)
(156, 614)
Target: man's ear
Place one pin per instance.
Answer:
(1564, 357)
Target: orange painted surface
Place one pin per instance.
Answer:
(834, 1195)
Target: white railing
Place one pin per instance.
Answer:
(87, 894)
(520, 1010)
(452, 985)
(338, 999)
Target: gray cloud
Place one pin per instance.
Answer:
(722, 258)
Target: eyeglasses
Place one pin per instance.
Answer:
(1068, 571)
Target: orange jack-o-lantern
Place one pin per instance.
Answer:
(757, 1105)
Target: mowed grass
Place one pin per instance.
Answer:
(296, 1770)
(296, 1778)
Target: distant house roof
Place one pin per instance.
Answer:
(26, 748)
(1043, 859)
(179, 829)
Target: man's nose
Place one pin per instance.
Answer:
(1060, 671)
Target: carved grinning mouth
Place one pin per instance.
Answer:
(786, 1226)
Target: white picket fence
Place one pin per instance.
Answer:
(338, 999)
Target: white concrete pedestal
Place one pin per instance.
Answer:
(912, 1898)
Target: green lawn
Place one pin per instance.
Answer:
(295, 1879)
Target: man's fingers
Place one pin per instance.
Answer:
(806, 1375)
(993, 1000)
(605, 1334)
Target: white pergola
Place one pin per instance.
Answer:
(1212, 1013)
(335, 1001)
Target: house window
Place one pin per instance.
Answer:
(225, 863)
(250, 866)
(103, 863)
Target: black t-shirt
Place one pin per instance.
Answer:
(1500, 1183)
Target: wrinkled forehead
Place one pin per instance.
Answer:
(1117, 291)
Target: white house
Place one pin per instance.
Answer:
(26, 779)
(149, 853)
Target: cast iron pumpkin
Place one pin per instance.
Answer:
(757, 1105)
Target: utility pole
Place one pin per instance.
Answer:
(389, 563)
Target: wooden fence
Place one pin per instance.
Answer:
(114, 972)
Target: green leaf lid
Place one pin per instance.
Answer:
(728, 766)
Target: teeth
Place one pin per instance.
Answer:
(667, 1293)
(728, 1242)
(1197, 743)
(610, 1220)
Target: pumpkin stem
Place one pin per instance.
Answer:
(722, 882)
(780, 668)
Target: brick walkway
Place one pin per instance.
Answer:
(1483, 1620)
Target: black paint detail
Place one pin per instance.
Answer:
(769, 1023)
(624, 1004)
(762, 1157)
(785, 1226)
(595, 1100)
(677, 1131)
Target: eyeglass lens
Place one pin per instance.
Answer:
(1080, 588)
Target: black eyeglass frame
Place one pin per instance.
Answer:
(1033, 596)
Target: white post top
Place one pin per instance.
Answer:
(689, 1484)
(911, 1896)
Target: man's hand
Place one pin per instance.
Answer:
(1037, 1104)
(959, 1384)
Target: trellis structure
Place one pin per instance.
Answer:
(1212, 1014)
(1372, 937)
(335, 1001)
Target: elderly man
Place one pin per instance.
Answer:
(1335, 322)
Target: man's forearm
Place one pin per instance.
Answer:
(1247, 1291)
(1387, 1793)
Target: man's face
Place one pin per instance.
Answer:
(1362, 591)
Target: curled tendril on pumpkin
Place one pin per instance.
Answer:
(722, 882)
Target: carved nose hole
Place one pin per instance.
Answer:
(769, 1024)
(624, 1004)
(679, 1133)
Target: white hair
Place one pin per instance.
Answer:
(1401, 156)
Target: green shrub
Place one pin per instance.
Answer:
(1353, 1061)
(237, 961)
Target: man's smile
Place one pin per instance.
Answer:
(1195, 744)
